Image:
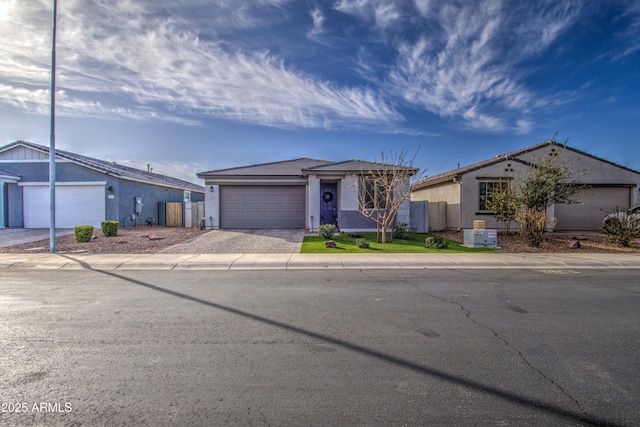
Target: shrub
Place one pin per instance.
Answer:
(622, 228)
(533, 224)
(436, 242)
(83, 233)
(362, 243)
(400, 231)
(326, 231)
(109, 228)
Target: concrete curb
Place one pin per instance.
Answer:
(187, 262)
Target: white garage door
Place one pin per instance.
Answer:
(75, 205)
(280, 206)
(596, 203)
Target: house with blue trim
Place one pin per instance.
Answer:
(88, 190)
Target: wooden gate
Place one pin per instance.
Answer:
(174, 214)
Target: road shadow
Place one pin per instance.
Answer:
(575, 416)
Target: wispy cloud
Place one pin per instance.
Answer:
(318, 21)
(37, 101)
(631, 34)
(254, 61)
(382, 12)
(127, 53)
(469, 67)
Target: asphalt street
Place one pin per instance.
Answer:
(320, 347)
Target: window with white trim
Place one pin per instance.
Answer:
(375, 194)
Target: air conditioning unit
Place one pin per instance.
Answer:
(479, 238)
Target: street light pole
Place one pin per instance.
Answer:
(52, 139)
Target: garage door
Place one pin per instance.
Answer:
(75, 205)
(596, 204)
(262, 206)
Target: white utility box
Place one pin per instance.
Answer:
(478, 238)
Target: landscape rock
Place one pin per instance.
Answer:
(153, 237)
(355, 235)
(330, 244)
(574, 245)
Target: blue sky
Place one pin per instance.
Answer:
(195, 85)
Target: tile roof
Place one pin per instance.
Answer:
(512, 156)
(348, 166)
(288, 168)
(112, 168)
(292, 167)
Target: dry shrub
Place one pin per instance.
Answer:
(622, 228)
(533, 224)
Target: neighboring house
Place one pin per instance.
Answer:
(300, 193)
(456, 198)
(88, 190)
(5, 179)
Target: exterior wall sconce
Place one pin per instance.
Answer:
(110, 188)
(211, 189)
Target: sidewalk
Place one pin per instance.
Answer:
(317, 261)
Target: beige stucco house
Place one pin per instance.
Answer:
(456, 198)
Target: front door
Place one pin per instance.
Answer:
(328, 203)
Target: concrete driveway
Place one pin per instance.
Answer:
(18, 236)
(260, 241)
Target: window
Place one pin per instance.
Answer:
(485, 190)
(375, 194)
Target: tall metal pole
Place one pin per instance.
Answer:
(52, 140)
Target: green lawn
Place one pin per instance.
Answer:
(414, 243)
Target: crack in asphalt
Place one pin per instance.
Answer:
(509, 345)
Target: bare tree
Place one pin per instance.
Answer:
(382, 189)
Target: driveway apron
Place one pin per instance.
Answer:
(18, 236)
(260, 241)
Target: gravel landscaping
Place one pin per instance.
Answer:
(558, 242)
(135, 240)
(146, 240)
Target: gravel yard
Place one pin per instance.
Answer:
(589, 242)
(135, 240)
(146, 240)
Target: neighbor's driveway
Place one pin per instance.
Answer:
(241, 242)
(18, 236)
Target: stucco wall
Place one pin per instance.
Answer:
(448, 192)
(588, 169)
(197, 197)
(119, 203)
(39, 172)
(471, 186)
(212, 206)
(351, 219)
(313, 203)
(150, 194)
(348, 194)
(593, 171)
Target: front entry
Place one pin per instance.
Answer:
(328, 203)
